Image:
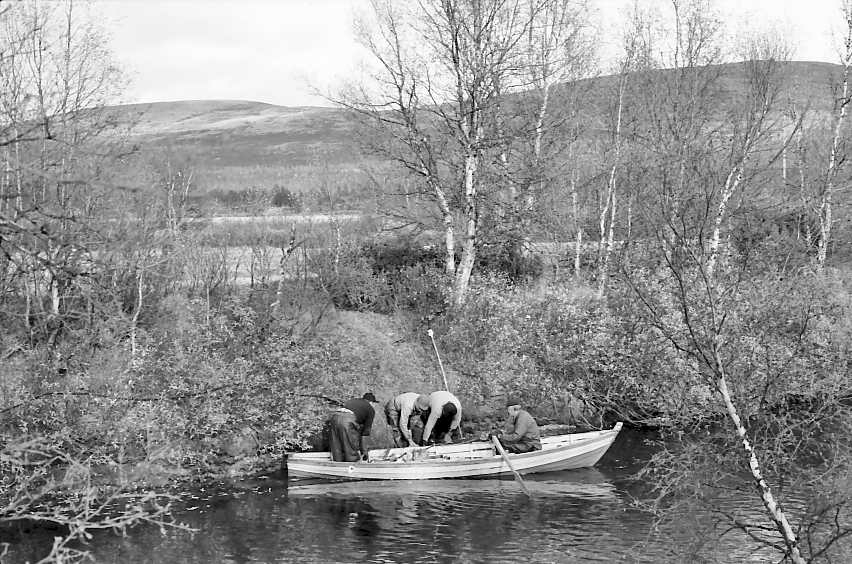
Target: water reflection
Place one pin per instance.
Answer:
(427, 521)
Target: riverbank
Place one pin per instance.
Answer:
(239, 457)
(224, 397)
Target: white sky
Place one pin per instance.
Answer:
(276, 50)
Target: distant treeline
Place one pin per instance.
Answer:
(255, 199)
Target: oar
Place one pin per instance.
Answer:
(444, 376)
(440, 364)
(505, 456)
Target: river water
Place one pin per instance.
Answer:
(575, 516)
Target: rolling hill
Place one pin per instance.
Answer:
(230, 132)
(235, 144)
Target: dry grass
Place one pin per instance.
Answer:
(393, 359)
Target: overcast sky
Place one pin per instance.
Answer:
(276, 50)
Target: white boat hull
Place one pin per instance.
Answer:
(563, 452)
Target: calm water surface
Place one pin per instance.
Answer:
(576, 516)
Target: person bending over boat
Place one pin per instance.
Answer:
(349, 425)
(399, 410)
(443, 417)
(521, 431)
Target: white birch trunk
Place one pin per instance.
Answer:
(54, 295)
(338, 242)
(449, 232)
(732, 182)
(5, 185)
(805, 224)
(19, 198)
(629, 234)
(462, 279)
(826, 202)
(578, 238)
(537, 140)
(446, 215)
(135, 319)
(608, 212)
(28, 308)
(282, 271)
(530, 196)
(775, 511)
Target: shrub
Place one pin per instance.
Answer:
(553, 342)
(393, 255)
(383, 277)
(509, 259)
(282, 197)
(350, 282)
(421, 289)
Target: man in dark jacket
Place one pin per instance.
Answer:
(521, 431)
(349, 425)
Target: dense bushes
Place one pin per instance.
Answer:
(199, 377)
(282, 197)
(510, 259)
(553, 345)
(295, 197)
(406, 273)
(557, 342)
(384, 277)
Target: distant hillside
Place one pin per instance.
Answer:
(811, 83)
(238, 144)
(241, 133)
(804, 84)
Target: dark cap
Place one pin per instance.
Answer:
(512, 400)
(369, 397)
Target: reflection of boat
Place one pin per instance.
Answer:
(374, 489)
(466, 460)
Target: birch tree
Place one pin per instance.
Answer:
(704, 157)
(825, 209)
(630, 63)
(558, 53)
(444, 96)
(57, 77)
(446, 70)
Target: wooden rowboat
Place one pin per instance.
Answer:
(464, 460)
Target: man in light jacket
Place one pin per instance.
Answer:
(399, 410)
(443, 416)
(521, 432)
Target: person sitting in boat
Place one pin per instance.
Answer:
(443, 416)
(400, 410)
(349, 425)
(521, 431)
